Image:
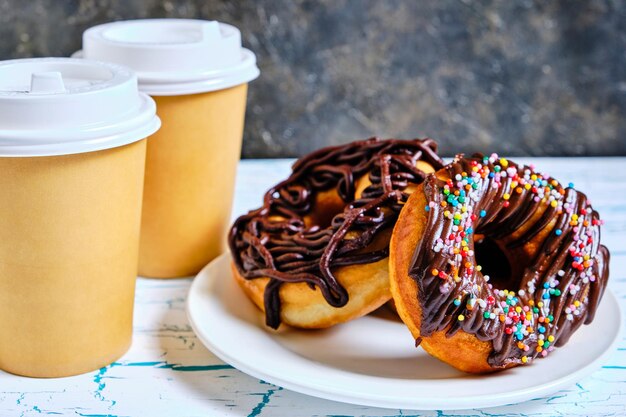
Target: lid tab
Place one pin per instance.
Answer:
(211, 31)
(50, 82)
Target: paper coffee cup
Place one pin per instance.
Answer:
(72, 154)
(197, 72)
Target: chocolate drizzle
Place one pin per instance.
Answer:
(276, 242)
(561, 282)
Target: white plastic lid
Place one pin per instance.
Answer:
(59, 106)
(174, 56)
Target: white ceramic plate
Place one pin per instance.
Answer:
(372, 361)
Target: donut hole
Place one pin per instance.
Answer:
(327, 205)
(494, 263)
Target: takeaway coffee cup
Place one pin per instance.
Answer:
(72, 154)
(197, 72)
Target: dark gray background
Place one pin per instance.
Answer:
(517, 77)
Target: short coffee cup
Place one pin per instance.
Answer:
(72, 156)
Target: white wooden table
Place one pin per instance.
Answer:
(168, 372)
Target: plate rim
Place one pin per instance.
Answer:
(417, 403)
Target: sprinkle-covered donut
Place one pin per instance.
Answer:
(538, 240)
(315, 254)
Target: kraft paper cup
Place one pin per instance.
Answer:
(68, 267)
(198, 73)
(190, 179)
(71, 179)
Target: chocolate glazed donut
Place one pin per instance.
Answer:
(288, 240)
(550, 237)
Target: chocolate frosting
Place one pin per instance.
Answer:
(275, 242)
(553, 292)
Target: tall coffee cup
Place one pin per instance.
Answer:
(72, 154)
(197, 72)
